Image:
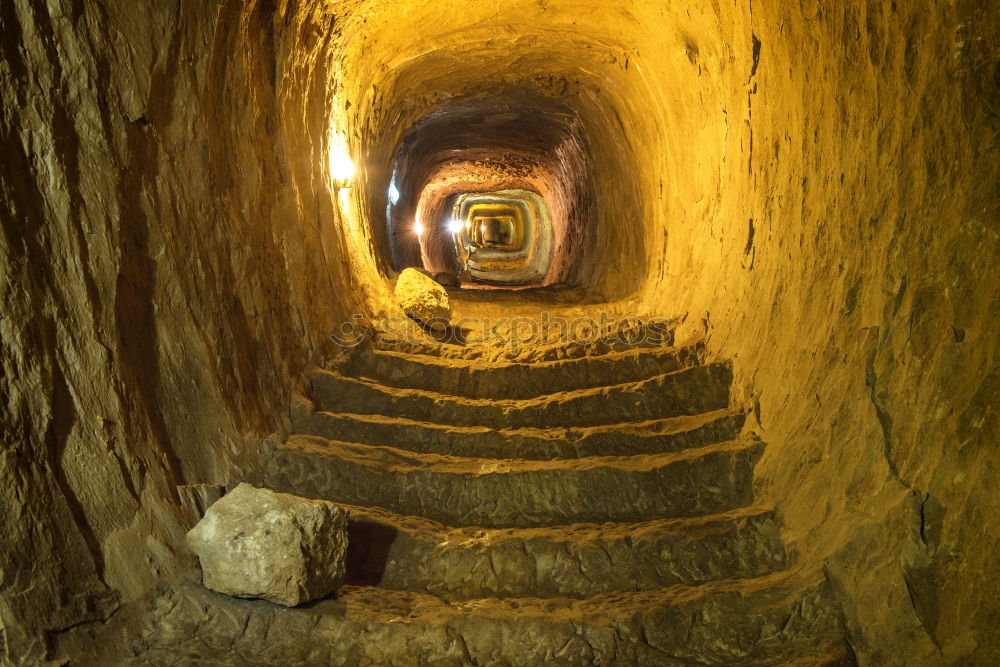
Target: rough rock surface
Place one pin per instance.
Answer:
(508, 492)
(255, 543)
(423, 298)
(579, 560)
(505, 380)
(447, 279)
(686, 391)
(781, 621)
(497, 539)
(810, 186)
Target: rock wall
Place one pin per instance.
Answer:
(810, 186)
(170, 261)
(851, 271)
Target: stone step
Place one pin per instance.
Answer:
(578, 560)
(508, 348)
(464, 491)
(783, 619)
(519, 380)
(662, 435)
(686, 392)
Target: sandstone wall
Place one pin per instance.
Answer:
(169, 263)
(810, 185)
(854, 280)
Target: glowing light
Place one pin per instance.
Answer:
(341, 166)
(393, 193)
(418, 228)
(455, 225)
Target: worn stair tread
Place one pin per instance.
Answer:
(517, 492)
(767, 620)
(576, 560)
(331, 375)
(686, 391)
(693, 351)
(649, 436)
(435, 531)
(391, 459)
(475, 378)
(519, 353)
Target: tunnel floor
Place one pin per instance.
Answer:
(593, 507)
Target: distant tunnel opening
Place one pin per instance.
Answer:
(496, 192)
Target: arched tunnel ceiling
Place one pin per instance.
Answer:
(551, 97)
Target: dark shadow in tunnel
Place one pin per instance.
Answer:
(368, 546)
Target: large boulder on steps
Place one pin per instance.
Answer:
(423, 298)
(257, 543)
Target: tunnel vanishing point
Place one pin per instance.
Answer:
(715, 380)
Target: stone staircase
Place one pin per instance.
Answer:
(595, 506)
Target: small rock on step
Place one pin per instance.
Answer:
(257, 543)
(422, 298)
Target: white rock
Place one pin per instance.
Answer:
(257, 543)
(423, 298)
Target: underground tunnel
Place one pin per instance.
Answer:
(364, 332)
